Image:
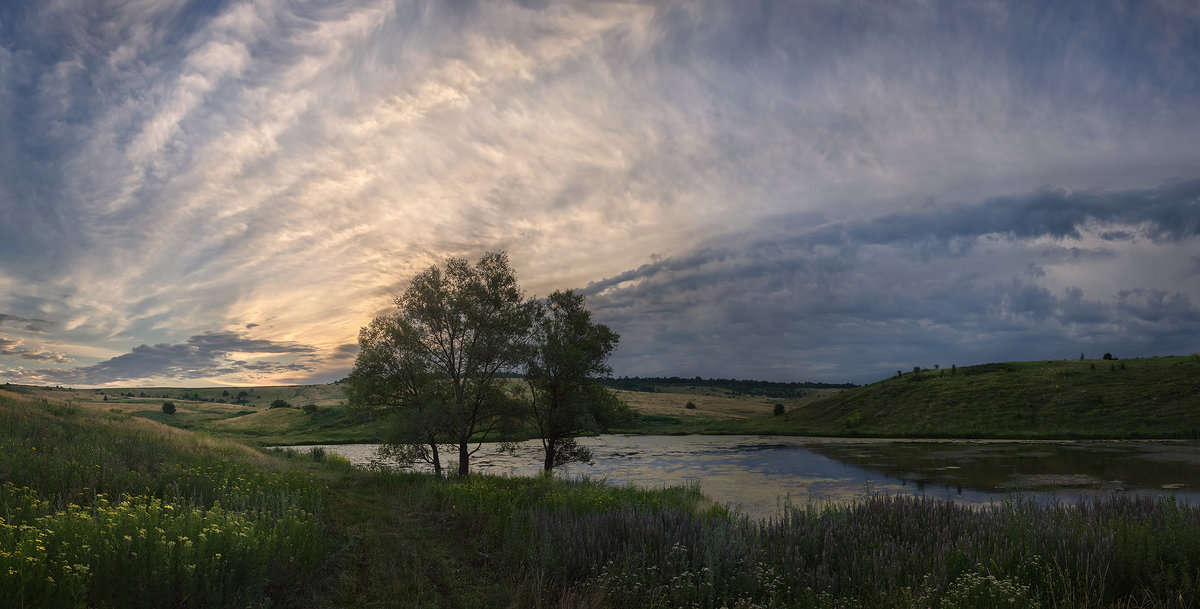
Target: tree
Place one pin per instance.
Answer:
(568, 352)
(391, 379)
(280, 403)
(779, 409)
(168, 407)
(456, 329)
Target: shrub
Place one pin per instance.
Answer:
(854, 420)
(690, 405)
(309, 408)
(779, 409)
(280, 404)
(168, 407)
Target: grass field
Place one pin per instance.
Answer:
(215, 410)
(1141, 398)
(101, 509)
(714, 411)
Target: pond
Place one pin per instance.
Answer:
(758, 474)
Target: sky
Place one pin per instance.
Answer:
(223, 192)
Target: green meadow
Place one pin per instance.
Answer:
(1138, 398)
(101, 508)
(1060, 399)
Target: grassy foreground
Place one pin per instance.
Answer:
(101, 509)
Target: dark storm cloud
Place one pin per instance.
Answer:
(202, 356)
(30, 324)
(852, 300)
(1170, 212)
(348, 350)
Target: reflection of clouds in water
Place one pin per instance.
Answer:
(760, 474)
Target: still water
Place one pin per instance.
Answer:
(758, 474)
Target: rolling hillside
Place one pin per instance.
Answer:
(1140, 398)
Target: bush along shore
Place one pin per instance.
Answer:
(103, 510)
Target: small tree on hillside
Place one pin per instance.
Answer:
(168, 407)
(568, 352)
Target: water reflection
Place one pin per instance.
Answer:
(758, 473)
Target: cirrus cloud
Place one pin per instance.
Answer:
(785, 190)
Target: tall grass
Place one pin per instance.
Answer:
(100, 510)
(882, 552)
(583, 542)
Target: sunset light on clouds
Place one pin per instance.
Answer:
(224, 192)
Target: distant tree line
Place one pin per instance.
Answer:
(651, 384)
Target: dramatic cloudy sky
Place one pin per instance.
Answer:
(224, 191)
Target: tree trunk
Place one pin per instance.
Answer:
(549, 444)
(464, 463)
(437, 460)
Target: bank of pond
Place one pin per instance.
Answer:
(757, 474)
(103, 510)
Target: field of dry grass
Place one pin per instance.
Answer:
(213, 409)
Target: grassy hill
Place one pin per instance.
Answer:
(317, 414)
(1142, 398)
(102, 509)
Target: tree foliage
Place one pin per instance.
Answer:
(435, 364)
(569, 351)
(392, 382)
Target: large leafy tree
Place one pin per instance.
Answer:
(569, 351)
(391, 381)
(440, 356)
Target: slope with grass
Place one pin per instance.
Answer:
(1140, 398)
(100, 509)
(316, 414)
